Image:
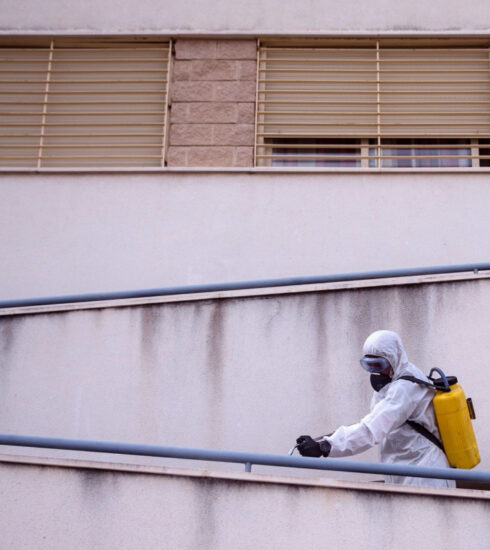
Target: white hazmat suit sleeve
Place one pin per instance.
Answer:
(387, 414)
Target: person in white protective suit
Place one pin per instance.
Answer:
(395, 401)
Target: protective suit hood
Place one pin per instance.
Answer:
(387, 344)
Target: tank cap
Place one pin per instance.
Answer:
(439, 382)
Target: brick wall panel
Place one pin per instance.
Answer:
(214, 69)
(246, 113)
(247, 70)
(233, 134)
(244, 156)
(191, 134)
(224, 113)
(177, 156)
(192, 91)
(207, 112)
(210, 156)
(195, 49)
(236, 49)
(182, 70)
(235, 91)
(179, 113)
(213, 103)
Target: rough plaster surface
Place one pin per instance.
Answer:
(246, 374)
(254, 17)
(57, 508)
(76, 233)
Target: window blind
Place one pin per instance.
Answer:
(337, 103)
(84, 104)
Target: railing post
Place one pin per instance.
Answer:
(248, 467)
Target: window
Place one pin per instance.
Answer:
(373, 104)
(67, 104)
(314, 152)
(423, 153)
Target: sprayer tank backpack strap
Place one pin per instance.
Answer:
(415, 425)
(417, 381)
(425, 432)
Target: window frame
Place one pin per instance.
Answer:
(272, 52)
(95, 102)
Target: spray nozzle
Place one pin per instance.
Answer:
(291, 450)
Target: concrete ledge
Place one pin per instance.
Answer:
(372, 486)
(233, 33)
(270, 291)
(241, 170)
(48, 507)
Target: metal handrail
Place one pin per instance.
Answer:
(243, 285)
(248, 459)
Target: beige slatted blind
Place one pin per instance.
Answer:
(435, 92)
(83, 105)
(363, 97)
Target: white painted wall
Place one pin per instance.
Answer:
(246, 374)
(52, 508)
(75, 233)
(254, 17)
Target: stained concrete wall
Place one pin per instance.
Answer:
(46, 507)
(253, 17)
(246, 374)
(75, 233)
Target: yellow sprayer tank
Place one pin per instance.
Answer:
(454, 415)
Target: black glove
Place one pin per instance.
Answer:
(307, 446)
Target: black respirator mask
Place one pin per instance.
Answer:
(379, 381)
(376, 365)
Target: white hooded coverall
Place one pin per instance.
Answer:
(391, 407)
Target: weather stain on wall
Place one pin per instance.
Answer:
(97, 486)
(150, 317)
(322, 332)
(215, 342)
(213, 370)
(206, 494)
(9, 328)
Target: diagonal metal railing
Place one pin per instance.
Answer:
(248, 459)
(244, 285)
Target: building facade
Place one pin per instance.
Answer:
(146, 146)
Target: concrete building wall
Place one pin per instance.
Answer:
(245, 374)
(49, 507)
(71, 233)
(248, 373)
(253, 17)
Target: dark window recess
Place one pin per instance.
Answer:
(484, 152)
(314, 152)
(423, 153)
(391, 152)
